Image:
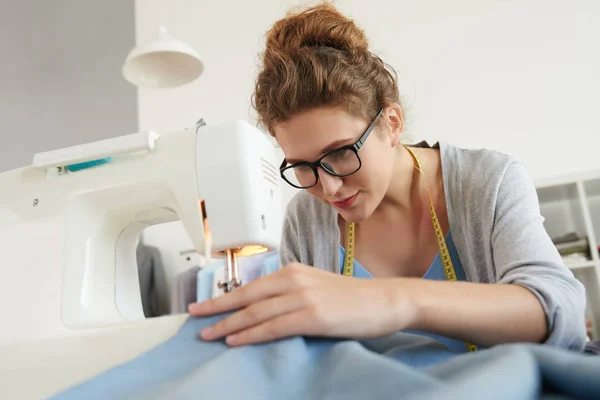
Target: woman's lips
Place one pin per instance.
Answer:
(346, 203)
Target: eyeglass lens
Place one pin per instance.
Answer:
(340, 162)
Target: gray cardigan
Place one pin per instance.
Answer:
(497, 228)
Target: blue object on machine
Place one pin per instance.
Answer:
(88, 164)
(399, 366)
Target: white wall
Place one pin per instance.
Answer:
(60, 75)
(517, 76)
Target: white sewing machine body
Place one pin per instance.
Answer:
(68, 242)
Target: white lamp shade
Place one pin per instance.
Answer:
(162, 63)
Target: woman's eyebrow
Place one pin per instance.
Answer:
(334, 145)
(331, 146)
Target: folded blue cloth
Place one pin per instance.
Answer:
(401, 366)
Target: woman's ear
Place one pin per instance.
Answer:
(395, 121)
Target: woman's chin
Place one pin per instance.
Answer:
(355, 214)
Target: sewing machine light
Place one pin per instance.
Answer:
(162, 63)
(252, 250)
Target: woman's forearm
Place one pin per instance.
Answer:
(483, 314)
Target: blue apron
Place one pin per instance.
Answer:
(436, 273)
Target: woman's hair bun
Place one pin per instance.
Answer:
(319, 57)
(322, 25)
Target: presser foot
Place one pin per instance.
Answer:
(232, 276)
(230, 285)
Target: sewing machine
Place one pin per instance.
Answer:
(69, 226)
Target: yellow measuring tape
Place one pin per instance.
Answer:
(349, 258)
(442, 247)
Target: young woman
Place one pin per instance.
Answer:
(450, 241)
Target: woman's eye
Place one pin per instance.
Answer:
(338, 153)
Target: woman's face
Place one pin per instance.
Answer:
(310, 135)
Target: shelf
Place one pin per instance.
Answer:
(572, 205)
(566, 179)
(562, 211)
(554, 194)
(592, 187)
(582, 264)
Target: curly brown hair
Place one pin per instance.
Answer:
(316, 58)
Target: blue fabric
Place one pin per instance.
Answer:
(398, 366)
(435, 272)
(401, 366)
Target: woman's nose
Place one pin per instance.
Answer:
(330, 184)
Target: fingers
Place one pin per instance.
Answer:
(274, 284)
(286, 325)
(261, 288)
(255, 314)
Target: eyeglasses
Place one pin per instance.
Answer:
(339, 162)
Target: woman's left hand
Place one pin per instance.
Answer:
(302, 300)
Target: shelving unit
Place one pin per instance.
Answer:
(571, 204)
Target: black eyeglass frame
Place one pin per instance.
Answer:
(315, 164)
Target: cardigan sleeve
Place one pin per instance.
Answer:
(524, 254)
